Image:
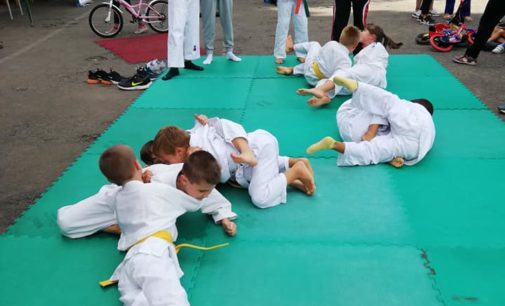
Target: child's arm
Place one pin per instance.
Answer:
(217, 206)
(371, 132)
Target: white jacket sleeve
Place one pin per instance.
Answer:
(89, 215)
(227, 129)
(217, 206)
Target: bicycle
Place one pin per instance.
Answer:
(106, 19)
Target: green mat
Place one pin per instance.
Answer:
(426, 235)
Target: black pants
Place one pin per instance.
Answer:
(495, 9)
(342, 11)
(425, 6)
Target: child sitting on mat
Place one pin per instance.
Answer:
(370, 67)
(146, 214)
(321, 63)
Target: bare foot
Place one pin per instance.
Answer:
(303, 175)
(229, 227)
(324, 144)
(316, 102)
(301, 59)
(300, 186)
(289, 44)
(316, 92)
(245, 158)
(397, 162)
(284, 70)
(279, 60)
(294, 160)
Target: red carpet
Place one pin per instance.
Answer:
(138, 48)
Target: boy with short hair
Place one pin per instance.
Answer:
(146, 214)
(411, 135)
(321, 63)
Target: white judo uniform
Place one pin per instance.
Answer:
(321, 62)
(266, 183)
(286, 9)
(411, 135)
(183, 32)
(97, 212)
(150, 272)
(353, 122)
(369, 67)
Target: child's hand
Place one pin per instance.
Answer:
(146, 176)
(229, 227)
(202, 119)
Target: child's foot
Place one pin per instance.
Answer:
(141, 29)
(208, 59)
(316, 102)
(305, 161)
(232, 57)
(245, 158)
(191, 66)
(289, 44)
(301, 59)
(304, 176)
(279, 61)
(173, 72)
(284, 70)
(324, 144)
(397, 162)
(311, 92)
(348, 84)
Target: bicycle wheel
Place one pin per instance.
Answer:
(438, 43)
(157, 16)
(105, 21)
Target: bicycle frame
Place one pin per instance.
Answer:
(132, 9)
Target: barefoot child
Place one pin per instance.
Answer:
(286, 9)
(267, 181)
(146, 214)
(321, 63)
(369, 67)
(411, 135)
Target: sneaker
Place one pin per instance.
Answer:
(137, 82)
(426, 19)
(499, 49)
(434, 13)
(465, 59)
(501, 108)
(145, 71)
(141, 29)
(114, 77)
(416, 14)
(98, 77)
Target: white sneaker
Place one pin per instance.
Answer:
(499, 49)
(416, 14)
(434, 13)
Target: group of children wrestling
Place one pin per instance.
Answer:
(183, 167)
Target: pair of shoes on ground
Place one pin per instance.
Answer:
(142, 79)
(417, 13)
(100, 76)
(426, 20)
(465, 60)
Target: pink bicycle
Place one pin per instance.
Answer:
(106, 19)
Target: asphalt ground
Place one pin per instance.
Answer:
(49, 115)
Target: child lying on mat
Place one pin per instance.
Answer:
(370, 67)
(266, 181)
(411, 134)
(97, 213)
(321, 63)
(146, 214)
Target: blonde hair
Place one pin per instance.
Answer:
(350, 36)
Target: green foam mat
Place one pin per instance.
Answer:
(423, 235)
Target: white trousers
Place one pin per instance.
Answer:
(403, 140)
(353, 122)
(309, 50)
(286, 9)
(362, 73)
(208, 9)
(183, 32)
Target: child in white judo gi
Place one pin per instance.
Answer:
(286, 9)
(266, 182)
(321, 63)
(146, 214)
(97, 212)
(370, 66)
(411, 135)
(208, 9)
(183, 36)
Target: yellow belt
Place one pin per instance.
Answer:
(168, 238)
(317, 71)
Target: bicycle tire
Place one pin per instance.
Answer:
(99, 25)
(423, 39)
(439, 45)
(158, 8)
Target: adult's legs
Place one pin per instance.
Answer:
(192, 31)
(341, 13)
(360, 12)
(284, 11)
(208, 10)
(177, 15)
(300, 25)
(226, 15)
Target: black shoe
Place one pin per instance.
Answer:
(173, 72)
(501, 108)
(137, 82)
(98, 77)
(114, 77)
(426, 19)
(191, 66)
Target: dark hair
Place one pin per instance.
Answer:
(146, 153)
(426, 103)
(201, 166)
(168, 139)
(117, 164)
(381, 36)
